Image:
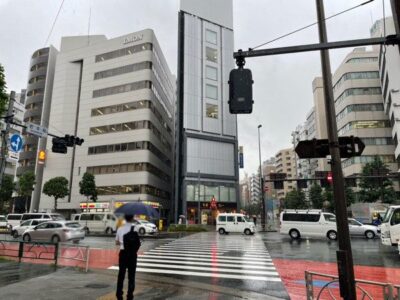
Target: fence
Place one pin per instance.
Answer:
(366, 289)
(59, 253)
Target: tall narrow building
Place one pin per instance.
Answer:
(206, 140)
(118, 95)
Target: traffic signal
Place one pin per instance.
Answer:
(325, 178)
(42, 157)
(301, 184)
(329, 178)
(278, 179)
(71, 140)
(240, 91)
(59, 145)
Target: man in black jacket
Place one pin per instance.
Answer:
(127, 256)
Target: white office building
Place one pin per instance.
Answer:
(118, 95)
(206, 148)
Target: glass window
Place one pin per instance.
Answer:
(239, 219)
(330, 217)
(123, 52)
(27, 223)
(211, 36)
(212, 111)
(395, 217)
(98, 217)
(230, 218)
(211, 91)
(211, 73)
(232, 194)
(222, 218)
(212, 54)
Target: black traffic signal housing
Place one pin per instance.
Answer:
(325, 178)
(302, 184)
(278, 179)
(71, 140)
(59, 145)
(240, 91)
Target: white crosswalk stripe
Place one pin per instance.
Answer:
(210, 255)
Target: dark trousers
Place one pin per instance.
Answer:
(126, 261)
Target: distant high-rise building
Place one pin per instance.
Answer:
(206, 140)
(118, 95)
(286, 163)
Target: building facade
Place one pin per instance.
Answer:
(286, 163)
(360, 110)
(37, 111)
(206, 140)
(118, 95)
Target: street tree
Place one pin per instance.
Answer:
(25, 185)
(3, 93)
(378, 187)
(350, 195)
(253, 208)
(87, 187)
(56, 187)
(316, 197)
(7, 188)
(295, 199)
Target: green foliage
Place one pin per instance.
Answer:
(328, 197)
(3, 94)
(374, 189)
(26, 183)
(87, 186)
(350, 196)
(7, 188)
(316, 197)
(56, 187)
(253, 209)
(186, 228)
(295, 199)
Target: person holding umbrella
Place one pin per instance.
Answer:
(128, 241)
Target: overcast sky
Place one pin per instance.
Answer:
(282, 88)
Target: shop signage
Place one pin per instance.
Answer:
(133, 38)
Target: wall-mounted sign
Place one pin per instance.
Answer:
(133, 38)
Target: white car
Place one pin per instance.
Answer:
(3, 222)
(360, 229)
(145, 227)
(28, 224)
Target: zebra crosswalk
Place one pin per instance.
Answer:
(210, 255)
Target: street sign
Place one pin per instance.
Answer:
(349, 146)
(16, 143)
(37, 130)
(13, 156)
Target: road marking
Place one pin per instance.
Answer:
(201, 274)
(207, 255)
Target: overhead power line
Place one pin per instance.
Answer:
(310, 25)
(54, 23)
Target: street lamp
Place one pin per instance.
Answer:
(261, 182)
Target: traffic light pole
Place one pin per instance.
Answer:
(4, 136)
(344, 254)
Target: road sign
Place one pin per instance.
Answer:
(16, 143)
(13, 156)
(37, 130)
(349, 146)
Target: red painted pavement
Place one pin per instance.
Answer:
(292, 274)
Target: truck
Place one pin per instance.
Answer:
(390, 227)
(367, 212)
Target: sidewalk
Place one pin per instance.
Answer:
(69, 283)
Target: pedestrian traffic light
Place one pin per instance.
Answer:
(42, 157)
(301, 184)
(240, 89)
(59, 145)
(329, 178)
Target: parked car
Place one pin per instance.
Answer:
(308, 223)
(96, 222)
(358, 228)
(231, 222)
(55, 231)
(28, 224)
(3, 222)
(52, 216)
(13, 220)
(145, 227)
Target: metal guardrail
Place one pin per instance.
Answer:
(45, 251)
(389, 291)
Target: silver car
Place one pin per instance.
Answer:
(358, 228)
(55, 231)
(144, 227)
(18, 230)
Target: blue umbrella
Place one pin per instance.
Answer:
(137, 208)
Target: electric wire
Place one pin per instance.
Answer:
(310, 25)
(54, 22)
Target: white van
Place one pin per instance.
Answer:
(51, 216)
(308, 223)
(13, 220)
(232, 222)
(97, 222)
(390, 227)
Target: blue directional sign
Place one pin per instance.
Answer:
(16, 143)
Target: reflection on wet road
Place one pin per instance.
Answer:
(236, 261)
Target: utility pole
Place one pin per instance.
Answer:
(344, 254)
(261, 182)
(396, 14)
(4, 135)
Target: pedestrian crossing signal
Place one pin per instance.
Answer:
(42, 157)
